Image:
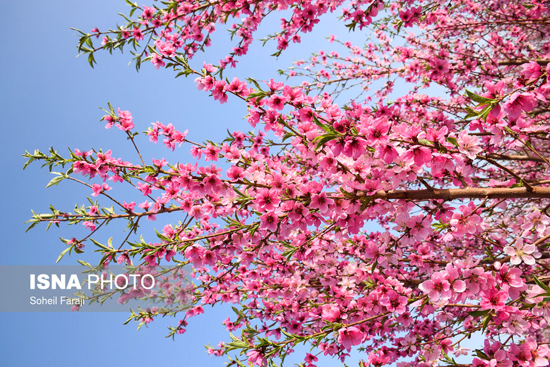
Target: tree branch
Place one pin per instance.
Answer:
(515, 157)
(465, 193)
(523, 61)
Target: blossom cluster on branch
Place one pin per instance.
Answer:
(397, 224)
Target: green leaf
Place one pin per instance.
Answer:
(63, 254)
(285, 137)
(32, 225)
(478, 313)
(325, 127)
(479, 99)
(453, 141)
(425, 142)
(364, 204)
(111, 109)
(56, 180)
(485, 112)
(259, 95)
(471, 113)
(256, 84)
(323, 139)
(91, 59)
(479, 114)
(374, 266)
(486, 323)
(541, 284)
(239, 193)
(482, 355)
(82, 262)
(100, 245)
(161, 236)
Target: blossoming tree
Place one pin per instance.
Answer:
(279, 221)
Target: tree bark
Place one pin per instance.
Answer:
(465, 193)
(520, 62)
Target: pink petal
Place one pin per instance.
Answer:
(459, 286)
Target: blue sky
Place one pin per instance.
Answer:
(50, 97)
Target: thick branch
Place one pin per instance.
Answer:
(466, 193)
(521, 61)
(539, 111)
(515, 157)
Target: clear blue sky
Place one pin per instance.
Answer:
(49, 97)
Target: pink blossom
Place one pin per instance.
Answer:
(452, 275)
(354, 147)
(420, 226)
(267, 199)
(522, 354)
(98, 189)
(256, 358)
(235, 173)
(440, 68)
(334, 242)
(277, 102)
(409, 343)
(237, 87)
(321, 202)
(394, 302)
(90, 225)
(437, 288)
(157, 61)
(211, 152)
(468, 145)
(219, 91)
(537, 220)
(330, 313)
(138, 35)
(493, 299)
(148, 12)
(349, 337)
(498, 356)
(521, 252)
(467, 221)
(269, 221)
(377, 133)
(419, 154)
(125, 120)
(387, 152)
(531, 71)
(539, 353)
(474, 279)
(518, 103)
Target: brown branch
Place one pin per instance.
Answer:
(495, 163)
(541, 240)
(452, 194)
(523, 61)
(539, 111)
(515, 157)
